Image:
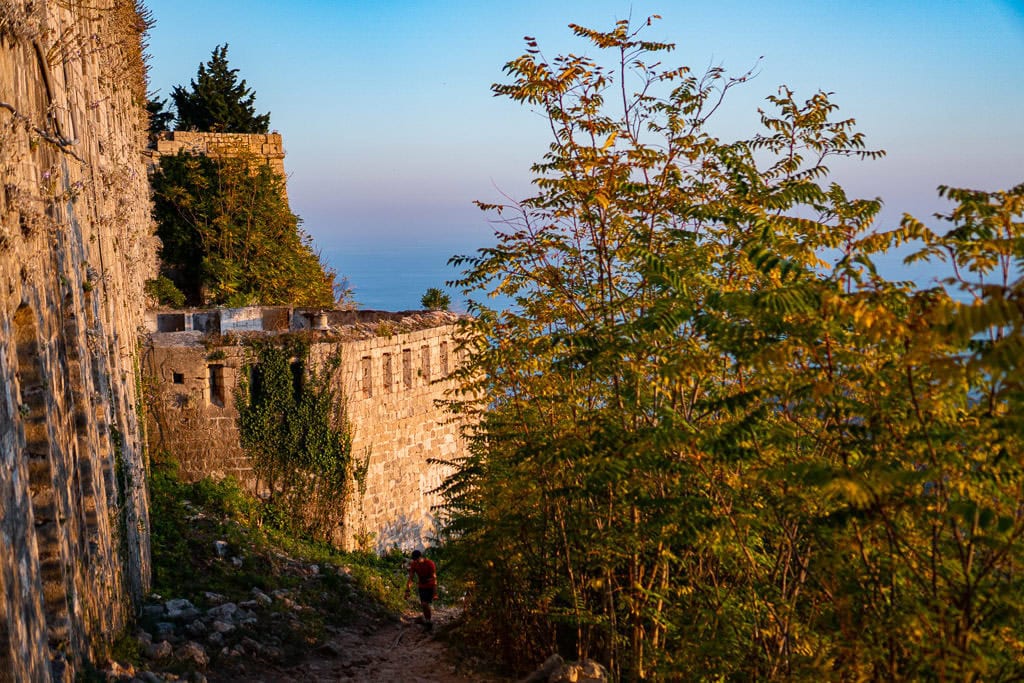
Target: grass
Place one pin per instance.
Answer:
(189, 518)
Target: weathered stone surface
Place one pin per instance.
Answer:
(222, 627)
(192, 652)
(261, 597)
(76, 245)
(163, 630)
(197, 628)
(586, 671)
(262, 148)
(153, 611)
(543, 673)
(226, 612)
(160, 650)
(395, 367)
(181, 610)
(214, 598)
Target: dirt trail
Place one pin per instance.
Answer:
(393, 651)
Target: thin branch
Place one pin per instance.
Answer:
(59, 142)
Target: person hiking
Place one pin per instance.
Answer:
(425, 573)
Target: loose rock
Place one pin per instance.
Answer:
(542, 674)
(193, 652)
(161, 650)
(586, 671)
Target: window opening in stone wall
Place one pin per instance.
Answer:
(407, 368)
(217, 388)
(32, 408)
(444, 359)
(387, 372)
(170, 322)
(425, 363)
(178, 377)
(367, 363)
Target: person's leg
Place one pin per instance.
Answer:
(426, 597)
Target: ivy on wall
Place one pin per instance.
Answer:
(293, 427)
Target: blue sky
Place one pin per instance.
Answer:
(391, 130)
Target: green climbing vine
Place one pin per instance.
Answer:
(293, 427)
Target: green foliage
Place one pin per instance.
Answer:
(160, 118)
(435, 300)
(218, 101)
(701, 450)
(187, 519)
(165, 292)
(292, 425)
(229, 238)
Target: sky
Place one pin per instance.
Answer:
(391, 130)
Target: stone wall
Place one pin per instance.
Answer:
(394, 369)
(75, 248)
(392, 385)
(266, 148)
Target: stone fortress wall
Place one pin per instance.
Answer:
(263, 148)
(76, 245)
(395, 367)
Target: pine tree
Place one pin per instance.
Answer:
(218, 101)
(160, 117)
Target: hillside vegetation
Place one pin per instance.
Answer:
(228, 236)
(714, 443)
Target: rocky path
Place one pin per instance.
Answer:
(401, 651)
(258, 613)
(374, 652)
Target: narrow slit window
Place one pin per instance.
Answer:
(217, 388)
(407, 368)
(387, 371)
(367, 377)
(444, 359)
(425, 363)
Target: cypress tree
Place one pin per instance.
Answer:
(218, 101)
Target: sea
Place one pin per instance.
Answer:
(390, 277)
(393, 278)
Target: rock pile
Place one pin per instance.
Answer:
(179, 640)
(177, 634)
(557, 670)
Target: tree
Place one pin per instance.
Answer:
(160, 118)
(218, 101)
(229, 238)
(700, 447)
(163, 292)
(435, 300)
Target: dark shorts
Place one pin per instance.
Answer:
(426, 594)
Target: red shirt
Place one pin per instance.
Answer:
(426, 570)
